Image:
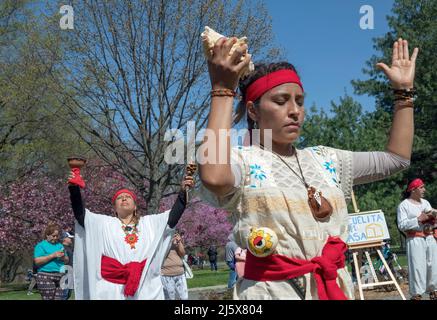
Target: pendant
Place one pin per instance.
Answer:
(131, 239)
(317, 197)
(315, 194)
(319, 205)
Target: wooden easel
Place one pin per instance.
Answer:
(356, 253)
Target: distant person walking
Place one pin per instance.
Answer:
(212, 254)
(230, 249)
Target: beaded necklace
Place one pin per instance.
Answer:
(131, 233)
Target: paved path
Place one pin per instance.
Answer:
(199, 294)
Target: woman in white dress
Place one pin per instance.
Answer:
(300, 195)
(120, 257)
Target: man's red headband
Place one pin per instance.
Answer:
(269, 81)
(416, 183)
(124, 191)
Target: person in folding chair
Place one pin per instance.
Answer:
(288, 205)
(119, 257)
(416, 218)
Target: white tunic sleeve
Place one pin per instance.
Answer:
(376, 165)
(406, 221)
(427, 205)
(159, 236)
(230, 200)
(88, 248)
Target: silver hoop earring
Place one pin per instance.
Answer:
(255, 125)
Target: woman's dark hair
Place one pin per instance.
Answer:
(261, 70)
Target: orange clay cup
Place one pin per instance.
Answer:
(76, 163)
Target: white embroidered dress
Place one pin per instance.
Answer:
(103, 235)
(270, 195)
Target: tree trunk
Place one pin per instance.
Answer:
(9, 263)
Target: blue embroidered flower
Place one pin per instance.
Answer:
(329, 165)
(257, 172)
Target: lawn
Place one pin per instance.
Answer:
(206, 278)
(202, 278)
(19, 295)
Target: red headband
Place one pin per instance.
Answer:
(269, 81)
(124, 191)
(416, 183)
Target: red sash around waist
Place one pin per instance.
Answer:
(128, 274)
(278, 267)
(413, 234)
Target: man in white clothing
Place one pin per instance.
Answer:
(416, 218)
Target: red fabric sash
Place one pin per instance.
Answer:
(278, 267)
(128, 274)
(413, 234)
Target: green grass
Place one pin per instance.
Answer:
(19, 292)
(207, 278)
(19, 295)
(202, 278)
(22, 295)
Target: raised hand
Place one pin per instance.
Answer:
(401, 72)
(177, 239)
(74, 178)
(71, 176)
(224, 69)
(187, 183)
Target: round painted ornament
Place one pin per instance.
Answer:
(262, 241)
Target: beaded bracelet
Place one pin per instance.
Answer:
(223, 93)
(406, 103)
(403, 94)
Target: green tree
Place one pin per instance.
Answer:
(414, 20)
(137, 69)
(33, 132)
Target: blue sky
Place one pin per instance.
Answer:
(323, 39)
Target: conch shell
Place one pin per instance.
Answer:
(210, 37)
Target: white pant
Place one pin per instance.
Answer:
(422, 264)
(175, 287)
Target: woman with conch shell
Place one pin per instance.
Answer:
(299, 194)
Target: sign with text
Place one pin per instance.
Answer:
(369, 226)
